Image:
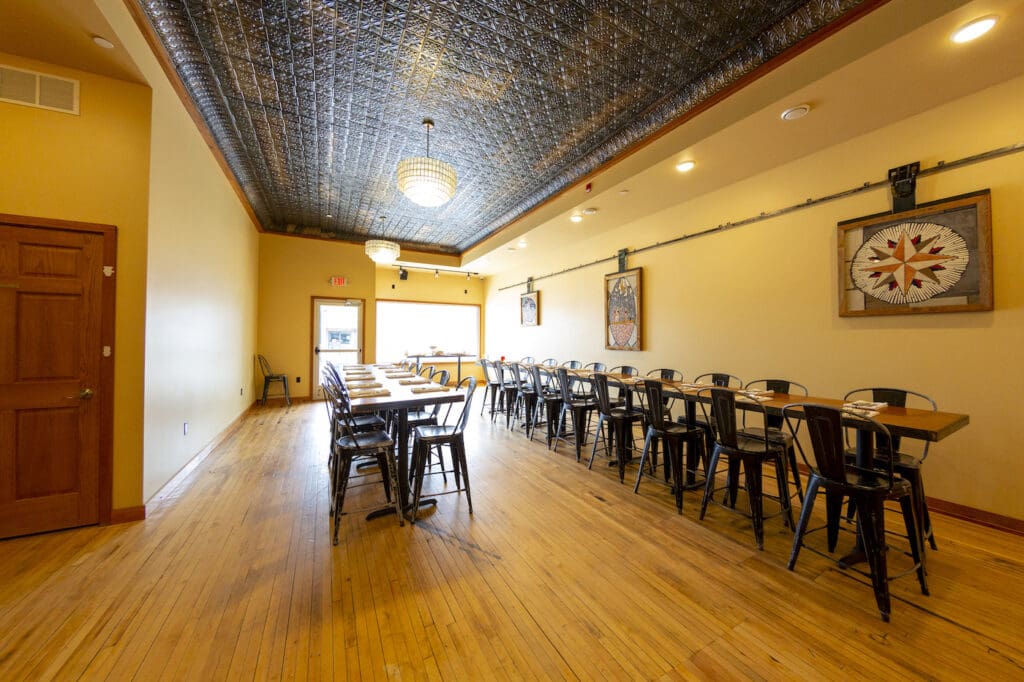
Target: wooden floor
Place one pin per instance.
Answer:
(561, 572)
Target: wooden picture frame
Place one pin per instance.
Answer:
(623, 310)
(936, 258)
(529, 309)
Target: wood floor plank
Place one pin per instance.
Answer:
(561, 573)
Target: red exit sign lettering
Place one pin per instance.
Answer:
(339, 281)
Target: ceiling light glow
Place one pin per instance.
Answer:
(794, 113)
(576, 218)
(382, 251)
(974, 29)
(685, 166)
(103, 42)
(426, 181)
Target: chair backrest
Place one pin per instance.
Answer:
(524, 378)
(666, 374)
(264, 365)
(564, 383)
(440, 377)
(895, 397)
(527, 359)
(469, 383)
(624, 369)
(331, 372)
(604, 400)
(720, 379)
(490, 371)
(426, 371)
(549, 362)
(543, 379)
(572, 364)
(655, 402)
(721, 415)
(784, 386)
(826, 426)
(594, 366)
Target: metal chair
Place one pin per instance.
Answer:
(751, 454)
(269, 377)
(438, 436)
(675, 436)
(773, 429)
(620, 426)
(868, 487)
(906, 464)
(548, 398)
(493, 385)
(579, 410)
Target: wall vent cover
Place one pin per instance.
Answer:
(41, 90)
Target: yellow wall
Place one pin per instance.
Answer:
(200, 286)
(292, 272)
(761, 300)
(93, 168)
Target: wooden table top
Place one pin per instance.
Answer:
(402, 395)
(901, 421)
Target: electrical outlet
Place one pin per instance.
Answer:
(298, 380)
(240, 389)
(185, 429)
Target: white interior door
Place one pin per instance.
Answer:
(337, 336)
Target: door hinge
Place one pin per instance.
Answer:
(108, 270)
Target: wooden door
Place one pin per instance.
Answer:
(51, 331)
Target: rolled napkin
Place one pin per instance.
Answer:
(398, 375)
(860, 412)
(358, 377)
(387, 366)
(865, 405)
(369, 392)
(752, 398)
(751, 391)
(413, 380)
(432, 388)
(354, 385)
(348, 367)
(699, 384)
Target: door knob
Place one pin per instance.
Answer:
(86, 394)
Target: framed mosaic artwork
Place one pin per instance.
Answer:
(529, 309)
(622, 308)
(936, 258)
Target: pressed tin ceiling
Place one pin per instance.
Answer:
(314, 102)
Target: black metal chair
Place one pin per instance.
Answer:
(661, 428)
(350, 444)
(509, 391)
(751, 454)
(579, 409)
(438, 436)
(666, 374)
(429, 416)
(620, 426)
(906, 464)
(549, 362)
(773, 429)
(527, 360)
(492, 387)
(619, 398)
(548, 400)
(270, 377)
(714, 379)
(526, 396)
(868, 487)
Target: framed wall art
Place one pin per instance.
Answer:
(529, 309)
(622, 310)
(936, 258)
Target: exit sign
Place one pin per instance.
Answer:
(338, 281)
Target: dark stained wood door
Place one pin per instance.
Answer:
(50, 354)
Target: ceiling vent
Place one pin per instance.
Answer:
(40, 90)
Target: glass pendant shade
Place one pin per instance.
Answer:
(382, 251)
(426, 181)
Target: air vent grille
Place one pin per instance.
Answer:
(41, 90)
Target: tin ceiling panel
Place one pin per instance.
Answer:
(314, 103)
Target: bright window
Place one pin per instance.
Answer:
(405, 328)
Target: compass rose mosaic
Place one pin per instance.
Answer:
(936, 258)
(910, 262)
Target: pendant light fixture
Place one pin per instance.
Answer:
(426, 181)
(382, 251)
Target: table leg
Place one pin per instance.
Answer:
(402, 455)
(865, 460)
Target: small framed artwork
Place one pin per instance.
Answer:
(936, 258)
(529, 309)
(622, 308)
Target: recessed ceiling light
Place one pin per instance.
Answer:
(329, 215)
(623, 192)
(103, 42)
(794, 113)
(522, 244)
(510, 248)
(685, 166)
(589, 211)
(576, 218)
(974, 29)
